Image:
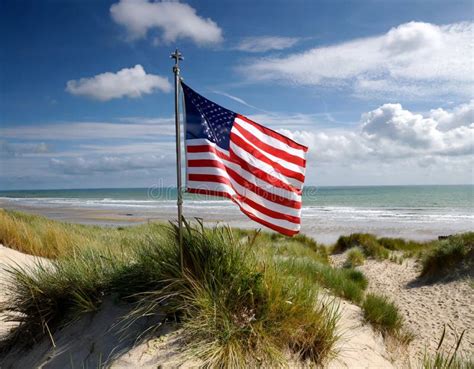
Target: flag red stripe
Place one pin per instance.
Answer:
(264, 176)
(193, 163)
(243, 182)
(207, 148)
(282, 230)
(268, 148)
(258, 155)
(269, 212)
(274, 134)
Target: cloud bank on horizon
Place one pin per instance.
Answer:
(406, 64)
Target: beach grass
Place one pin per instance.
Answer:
(236, 307)
(39, 236)
(451, 257)
(447, 358)
(244, 297)
(383, 314)
(367, 242)
(355, 257)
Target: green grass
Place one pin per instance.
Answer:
(355, 257)
(346, 283)
(236, 306)
(447, 359)
(453, 256)
(368, 243)
(39, 236)
(246, 298)
(382, 314)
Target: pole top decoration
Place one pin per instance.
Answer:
(177, 56)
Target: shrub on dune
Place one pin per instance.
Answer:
(366, 242)
(452, 256)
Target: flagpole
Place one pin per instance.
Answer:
(177, 57)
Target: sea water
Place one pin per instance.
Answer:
(408, 211)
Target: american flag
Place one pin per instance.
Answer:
(229, 155)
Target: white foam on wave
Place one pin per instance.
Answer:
(323, 213)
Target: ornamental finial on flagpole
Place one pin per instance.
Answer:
(177, 56)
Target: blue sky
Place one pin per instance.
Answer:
(381, 91)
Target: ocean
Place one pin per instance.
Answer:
(416, 212)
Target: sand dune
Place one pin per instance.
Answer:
(425, 307)
(96, 340)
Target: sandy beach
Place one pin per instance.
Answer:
(324, 224)
(426, 308)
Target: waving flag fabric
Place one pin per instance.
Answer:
(231, 156)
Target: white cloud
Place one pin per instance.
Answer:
(108, 163)
(8, 149)
(389, 145)
(130, 82)
(415, 58)
(131, 128)
(462, 115)
(266, 43)
(391, 133)
(174, 19)
(236, 98)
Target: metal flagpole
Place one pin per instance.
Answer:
(177, 57)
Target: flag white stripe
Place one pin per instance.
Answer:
(267, 168)
(245, 192)
(248, 158)
(270, 140)
(281, 161)
(246, 175)
(221, 187)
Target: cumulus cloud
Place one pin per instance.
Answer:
(260, 44)
(130, 82)
(174, 19)
(104, 164)
(415, 58)
(392, 133)
(462, 115)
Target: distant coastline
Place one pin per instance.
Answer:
(413, 212)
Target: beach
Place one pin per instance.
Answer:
(411, 212)
(95, 338)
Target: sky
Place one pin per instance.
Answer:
(381, 91)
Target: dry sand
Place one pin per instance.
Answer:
(359, 346)
(96, 340)
(425, 307)
(11, 258)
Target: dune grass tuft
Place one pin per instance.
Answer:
(355, 257)
(237, 308)
(396, 249)
(452, 256)
(382, 314)
(346, 283)
(366, 242)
